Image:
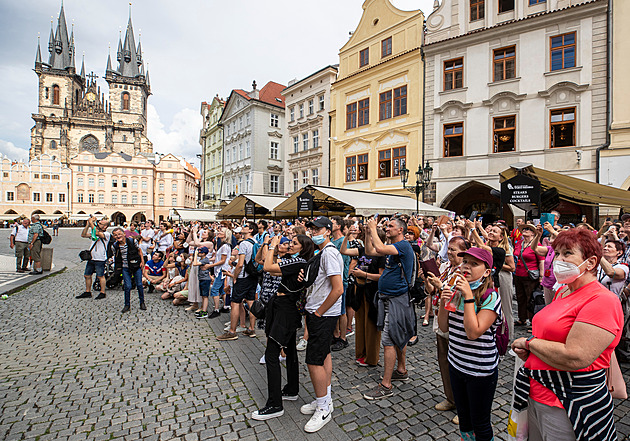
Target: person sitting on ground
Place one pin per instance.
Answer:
(170, 265)
(154, 272)
(178, 278)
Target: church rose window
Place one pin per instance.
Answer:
(90, 144)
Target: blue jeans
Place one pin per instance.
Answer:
(217, 286)
(137, 274)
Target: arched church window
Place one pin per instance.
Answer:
(76, 96)
(125, 101)
(89, 143)
(53, 144)
(55, 94)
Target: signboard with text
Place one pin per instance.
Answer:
(522, 191)
(249, 208)
(305, 201)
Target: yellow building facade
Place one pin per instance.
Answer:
(377, 101)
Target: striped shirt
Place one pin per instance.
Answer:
(479, 357)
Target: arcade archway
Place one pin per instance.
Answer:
(118, 218)
(476, 196)
(139, 217)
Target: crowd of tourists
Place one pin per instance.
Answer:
(336, 277)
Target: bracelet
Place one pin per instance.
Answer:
(469, 300)
(271, 248)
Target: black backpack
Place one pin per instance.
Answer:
(312, 267)
(45, 237)
(109, 247)
(251, 267)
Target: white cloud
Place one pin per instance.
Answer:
(181, 138)
(10, 150)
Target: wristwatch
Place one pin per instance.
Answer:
(469, 300)
(530, 338)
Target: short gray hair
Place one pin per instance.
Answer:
(118, 229)
(35, 216)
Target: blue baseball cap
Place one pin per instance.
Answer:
(203, 250)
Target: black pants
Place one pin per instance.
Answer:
(274, 376)
(473, 399)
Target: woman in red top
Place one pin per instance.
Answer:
(577, 332)
(526, 260)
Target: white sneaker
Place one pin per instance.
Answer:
(309, 409)
(301, 346)
(262, 359)
(238, 329)
(319, 419)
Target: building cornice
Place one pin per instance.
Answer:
(395, 57)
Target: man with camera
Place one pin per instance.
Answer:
(97, 233)
(128, 259)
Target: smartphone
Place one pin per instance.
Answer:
(430, 266)
(473, 215)
(608, 219)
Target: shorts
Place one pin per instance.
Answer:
(385, 337)
(36, 251)
(320, 336)
(217, 286)
(343, 300)
(204, 287)
(244, 289)
(95, 266)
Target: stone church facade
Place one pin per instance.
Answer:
(74, 115)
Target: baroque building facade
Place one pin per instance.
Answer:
(376, 102)
(508, 82)
(253, 154)
(307, 142)
(73, 114)
(211, 140)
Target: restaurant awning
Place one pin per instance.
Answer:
(51, 216)
(330, 201)
(189, 214)
(79, 217)
(9, 217)
(572, 189)
(264, 206)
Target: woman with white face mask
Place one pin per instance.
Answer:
(563, 382)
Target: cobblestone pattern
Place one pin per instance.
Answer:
(79, 369)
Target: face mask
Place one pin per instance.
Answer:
(318, 240)
(179, 258)
(188, 261)
(295, 255)
(476, 284)
(567, 272)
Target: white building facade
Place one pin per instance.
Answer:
(252, 142)
(307, 141)
(507, 82)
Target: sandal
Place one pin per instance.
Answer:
(425, 322)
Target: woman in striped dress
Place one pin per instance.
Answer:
(469, 314)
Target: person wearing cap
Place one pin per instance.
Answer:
(527, 261)
(205, 279)
(470, 320)
(323, 307)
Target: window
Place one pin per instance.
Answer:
(10, 196)
(55, 177)
(274, 184)
(386, 47)
(125, 101)
(80, 198)
(364, 112)
(47, 176)
(161, 186)
(101, 198)
(356, 163)
(351, 116)
(174, 187)
(161, 201)
(454, 74)
(49, 197)
(91, 198)
(506, 6)
(301, 110)
(240, 151)
(305, 141)
(36, 176)
(563, 51)
(453, 139)
(114, 170)
(55, 94)
(79, 181)
(62, 197)
(134, 171)
(134, 184)
(400, 101)
(101, 169)
(504, 63)
(296, 144)
(274, 120)
(114, 183)
(304, 177)
(227, 156)
(315, 139)
(144, 171)
(114, 199)
(247, 151)
(384, 163)
(536, 2)
(214, 160)
(504, 134)
(144, 199)
(311, 107)
(90, 182)
(296, 182)
(124, 183)
(562, 130)
(144, 185)
(273, 151)
(315, 173)
(174, 202)
(399, 156)
(476, 9)
(80, 168)
(292, 113)
(53, 144)
(364, 57)
(385, 105)
(134, 199)
(322, 102)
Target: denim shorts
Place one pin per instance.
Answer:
(95, 266)
(343, 300)
(217, 286)
(204, 287)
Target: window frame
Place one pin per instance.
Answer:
(446, 137)
(125, 101)
(296, 182)
(384, 157)
(315, 176)
(274, 180)
(363, 112)
(322, 102)
(399, 102)
(386, 47)
(552, 124)
(363, 160)
(274, 150)
(311, 106)
(385, 105)
(501, 130)
(315, 138)
(305, 177)
(499, 11)
(478, 6)
(453, 71)
(562, 48)
(351, 116)
(296, 144)
(274, 120)
(305, 141)
(351, 168)
(503, 61)
(364, 57)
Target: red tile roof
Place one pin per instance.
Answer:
(242, 93)
(270, 92)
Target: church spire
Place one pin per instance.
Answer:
(83, 68)
(38, 55)
(59, 47)
(128, 63)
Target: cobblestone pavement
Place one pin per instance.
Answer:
(79, 369)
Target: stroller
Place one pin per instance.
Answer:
(113, 279)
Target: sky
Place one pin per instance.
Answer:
(194, 49)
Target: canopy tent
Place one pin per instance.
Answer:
(243, 204)
(51, 216)
(9, 217)
(79, 217)
(572, 189)
(188, 214)
(330, 201)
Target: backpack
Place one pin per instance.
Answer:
(312, 267)
(109, 247)
(415, 282)
(251, 267)
(45, 237)
(502, 333)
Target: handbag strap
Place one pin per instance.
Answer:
(521, 257)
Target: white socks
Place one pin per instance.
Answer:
(325, 401)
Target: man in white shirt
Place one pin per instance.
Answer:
(19, 241)
(323, 307)
(146, 236)
(96, 264)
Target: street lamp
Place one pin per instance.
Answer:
(423, 179)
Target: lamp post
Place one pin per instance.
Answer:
(423, 179)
